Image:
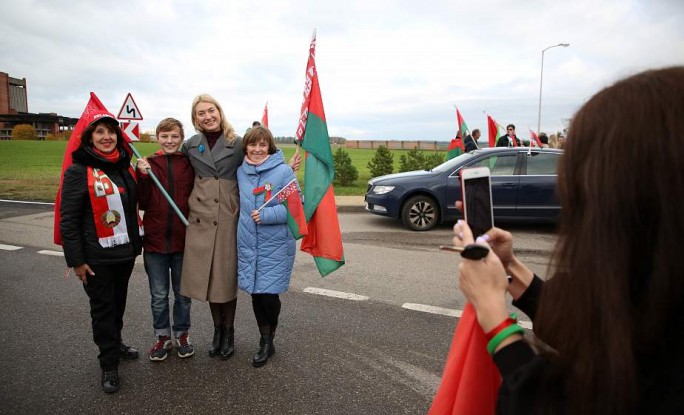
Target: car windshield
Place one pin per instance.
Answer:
(450, 164)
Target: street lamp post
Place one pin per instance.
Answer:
(541, 80)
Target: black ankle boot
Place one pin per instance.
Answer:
(110, 381)
(270, 343)
(219, 334)
(266, 350)
(228, 345)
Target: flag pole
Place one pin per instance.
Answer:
(275, 195)
(161, 188)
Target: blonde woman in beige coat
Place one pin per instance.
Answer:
(210, 257)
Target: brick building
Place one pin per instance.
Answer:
(14, 111)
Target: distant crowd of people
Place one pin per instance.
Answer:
(510, 139)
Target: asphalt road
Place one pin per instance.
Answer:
(334, 355)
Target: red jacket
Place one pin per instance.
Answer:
(164, 231)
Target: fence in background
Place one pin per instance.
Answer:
(398, 145)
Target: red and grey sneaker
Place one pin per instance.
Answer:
(183, 346)
(159, 351)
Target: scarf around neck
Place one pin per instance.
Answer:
(108, 210)
(112, 156)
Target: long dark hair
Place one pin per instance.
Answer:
(618, 288)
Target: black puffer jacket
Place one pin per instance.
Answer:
(80, 242)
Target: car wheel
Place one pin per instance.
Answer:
(420, 213)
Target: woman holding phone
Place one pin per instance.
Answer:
(608, 323)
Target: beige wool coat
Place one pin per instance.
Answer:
(210, 257)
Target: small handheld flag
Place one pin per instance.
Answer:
(296, 220)
(289, 196)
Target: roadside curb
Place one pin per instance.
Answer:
(350, 204)
(342, 207)
(351, 208)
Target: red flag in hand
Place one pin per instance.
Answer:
(94, 107)
(470, 382)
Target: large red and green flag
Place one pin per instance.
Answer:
(456, 147)
(470, 381)
(94, 106)
(296, 220)
(324, 240)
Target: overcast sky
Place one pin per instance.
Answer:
(387, 69)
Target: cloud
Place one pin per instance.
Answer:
(388, 69)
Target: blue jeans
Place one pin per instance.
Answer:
(158, 267)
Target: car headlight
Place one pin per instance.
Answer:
(381, 190)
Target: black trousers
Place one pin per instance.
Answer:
(266, 310)
(107, 290)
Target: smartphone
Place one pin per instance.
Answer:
(476, 189)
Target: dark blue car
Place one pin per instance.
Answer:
(523, 188)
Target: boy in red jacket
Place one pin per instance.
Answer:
(164, 238)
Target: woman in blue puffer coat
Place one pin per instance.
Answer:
(266, 248)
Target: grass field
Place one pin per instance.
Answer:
(30, 170)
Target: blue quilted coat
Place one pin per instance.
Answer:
(266, 251)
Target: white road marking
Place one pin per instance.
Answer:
(322, 291)
(52, 253)
(336, 294)
(26, 202)
(432, 309)
(450, 312)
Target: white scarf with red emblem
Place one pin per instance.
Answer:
(108, 210)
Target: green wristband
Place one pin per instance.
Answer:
(501, 336)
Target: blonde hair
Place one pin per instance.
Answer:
(553, 141)
(227, 129)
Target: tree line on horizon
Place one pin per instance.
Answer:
(382, 163)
